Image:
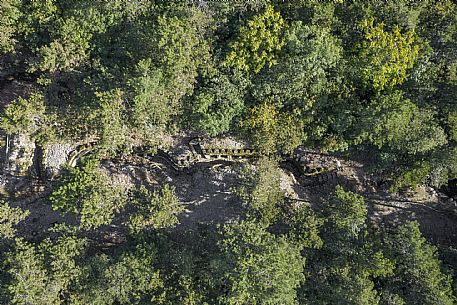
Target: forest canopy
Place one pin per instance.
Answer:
(355, 78)
(340, 75)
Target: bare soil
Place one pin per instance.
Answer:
(206, 191)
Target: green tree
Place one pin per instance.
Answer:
(127, 278)
(261, 190)
(258, 43)
(411, 175)
(9, 15)
(9, 217)
(308, 86)
(347, 212)
(152, 108)
(302, 224)
(70, 28)
(262, 268)
(305, 72)
(216, 103)
(45, 274)
(111, 122)
(396, 122)
(24, 115)
(452, 123)
(87, 192)
(386, 56)
(170, 72)
(157, 209)
(418, 277)
(272, 131)
(438, 25)
(343, 270)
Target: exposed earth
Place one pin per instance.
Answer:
(206, 191)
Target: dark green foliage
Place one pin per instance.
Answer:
(417, 277)
(347, 212)
(342, 271)
(9, 217)
(357, 266)
(216, 104)
(161, 82)
(42, 275)
(302, 224)
(411, 176)
(336, 76)
(304, 72)
(402, 126)
(262, 268)
(129, 278)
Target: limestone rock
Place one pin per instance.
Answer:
(19, 159)
(54, 158)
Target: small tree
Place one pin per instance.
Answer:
(261, 190)
(9, 15)
(9, 217)
(87, 192)
(216, 104)
(43, 275)
(272, 131)
(343, 270)
(130, 277)
(418, 277)
(156, 209)
(111, 122)
(24, 115)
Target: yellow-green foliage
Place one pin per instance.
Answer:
(272, 130)
(412, 177)
(262, 121)
(9, 13)
(23, 115)
(258, 43)
(387, 55)
(109, 119)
